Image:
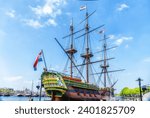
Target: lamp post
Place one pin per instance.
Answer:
(139, 80)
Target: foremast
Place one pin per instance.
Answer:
(71, 51)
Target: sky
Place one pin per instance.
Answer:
(27, 26)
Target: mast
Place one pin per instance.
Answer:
(32, 88)
(105, 65)
(87, 55)
(71, 51)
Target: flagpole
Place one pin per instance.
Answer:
(40, 91)
(44, 60)
(41, 79)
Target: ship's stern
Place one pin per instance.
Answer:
(54, 85)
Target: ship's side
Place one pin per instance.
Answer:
(61, 87)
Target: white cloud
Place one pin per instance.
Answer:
(51, 22)
(46, 13)
(120, 39)
(147, 59)
(33, 23)
(112, 36)
(11, 13)
(122, 7)
(51, 8)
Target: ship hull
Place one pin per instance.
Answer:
(65, 88)
(77, 94)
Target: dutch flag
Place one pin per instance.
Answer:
(38, 59)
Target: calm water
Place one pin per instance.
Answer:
(15, 98)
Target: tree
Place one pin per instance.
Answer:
(125, 91)
(129, 92)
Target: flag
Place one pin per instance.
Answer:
(82, 8)
(102, 31)
(38, 59)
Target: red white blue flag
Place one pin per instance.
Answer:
(38, 59)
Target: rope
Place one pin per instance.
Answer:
(66, 65)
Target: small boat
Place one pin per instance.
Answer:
(6, 94)
(27, 95)
(35, 95)
(19, 95)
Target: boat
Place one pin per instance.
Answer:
(19, 95)
(63, 87)
(6, 94)
(27, 95)
(35, 95)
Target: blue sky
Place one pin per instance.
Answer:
(26, 27)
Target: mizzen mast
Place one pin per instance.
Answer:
(105, 64)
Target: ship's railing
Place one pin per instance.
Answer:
(64, 74)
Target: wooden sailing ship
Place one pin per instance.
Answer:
(60, 86)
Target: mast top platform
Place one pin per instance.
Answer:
(85, 55)
(71, 50)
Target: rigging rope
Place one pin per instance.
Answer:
(82, 67)
(66, 65)
(92, 76)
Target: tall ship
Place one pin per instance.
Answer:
(70, 87)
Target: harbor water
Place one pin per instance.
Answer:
(16, 98)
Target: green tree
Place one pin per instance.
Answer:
(129, 92)
(125, 91)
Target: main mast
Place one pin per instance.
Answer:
(87, 52)
(87, 55)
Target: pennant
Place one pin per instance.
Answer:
(38, 59)
(102, 31)
(82, 8)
